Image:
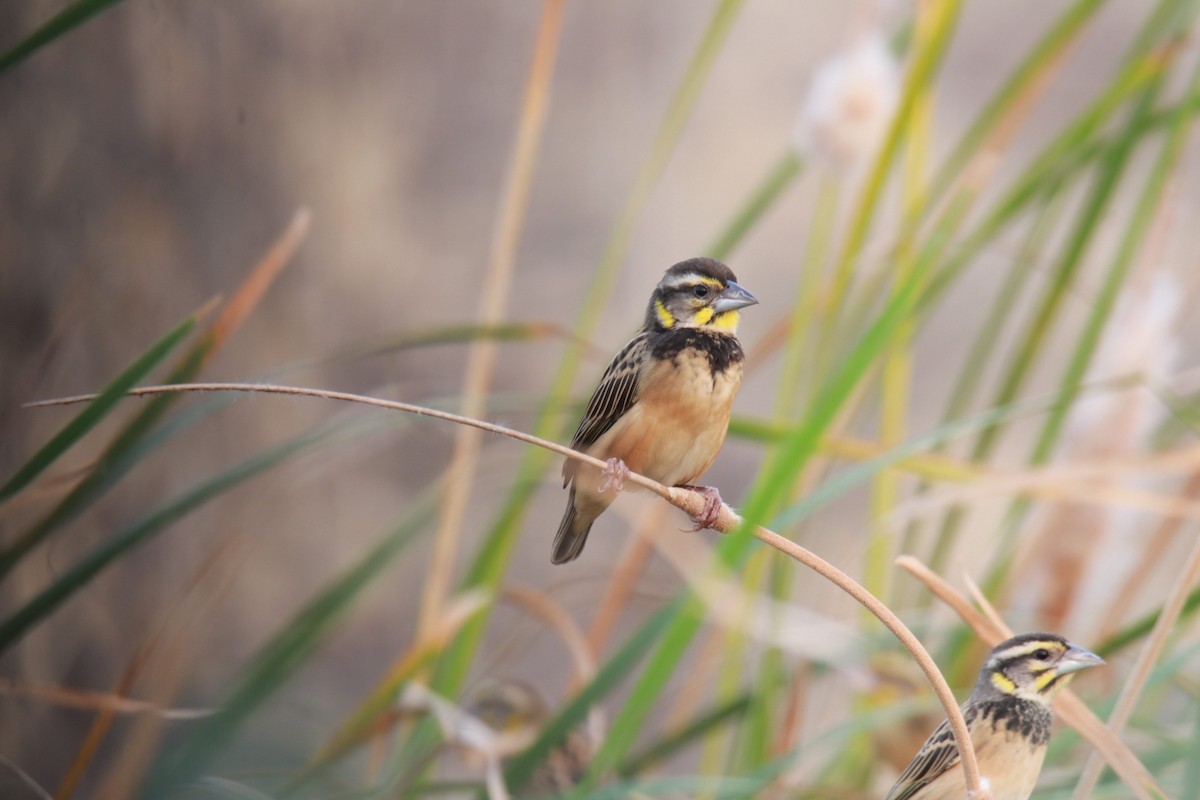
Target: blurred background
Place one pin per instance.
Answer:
(151, 156)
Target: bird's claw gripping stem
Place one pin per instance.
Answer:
(712, 507)
(615, 475)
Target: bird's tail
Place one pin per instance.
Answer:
(572, 533)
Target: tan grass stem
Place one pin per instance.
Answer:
(481, 360)
(1136, 680)
(685, 499)
(620, 586)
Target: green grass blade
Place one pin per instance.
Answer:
(59, 25)
(849, 479)
(982, 350)
(1032, 343)
(710, 788)
(1058, 164)
(1191, 770)
(93, 412)
(924, 66)
(520, 769)
(1137, 630)
(781, 175)
(1050, 47)
(50, 598)
(801, 443)
(1144, 213)
(212, 788)
(1088, 340)
(489, 565)
(681, 629)
(669, 745)
(768, 490)
(292, 646)
(443, 335)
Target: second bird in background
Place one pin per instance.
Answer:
(1009, 718)
(662, 406)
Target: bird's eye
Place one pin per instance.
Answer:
(700, 291)
(1042, 655)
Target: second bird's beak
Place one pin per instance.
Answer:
(733, 298)
(1077, 658)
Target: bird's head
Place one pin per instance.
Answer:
(697, 293)
(1033, 666)
(507, 706)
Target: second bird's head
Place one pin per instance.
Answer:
(1033, 666)
(697, 293)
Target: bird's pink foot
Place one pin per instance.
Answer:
(712, 507)
(615, 475)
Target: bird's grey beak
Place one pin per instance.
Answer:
(1077, 658)
(733, 298)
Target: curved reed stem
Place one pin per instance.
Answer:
(684, 499)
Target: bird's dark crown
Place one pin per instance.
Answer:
(706, 267)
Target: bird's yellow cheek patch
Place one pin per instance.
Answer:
(703, 315)
(1003, 683)
(726, 321)
(665, 317)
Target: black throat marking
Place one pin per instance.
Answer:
(1015, 714)
(722, 349)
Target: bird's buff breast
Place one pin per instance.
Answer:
(1007, 761)
(676, 428)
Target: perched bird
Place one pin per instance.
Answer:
(1008, 716)
(662, 407)
(511, 706)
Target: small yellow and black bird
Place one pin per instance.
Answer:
(1008, 716)
(662, 407)
(510, 706)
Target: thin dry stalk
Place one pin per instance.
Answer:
(245, 299)
(541, 605)
(1083, 487)
(753, 616)
(620, 586)
(1150, 556)
(693, 504)
(46, 489)
(1136, 680)
(793, 712)
(583, 657)
(989, 611)
(175, 620)
(891, 622)
(260, 278)
(81, 699)
(481, 360)
(471, 733)
(365, 723)
(698, 679)
(1067, 705)
(137, 751)
(25, 779)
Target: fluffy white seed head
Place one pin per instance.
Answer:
(1139, 339)
(851, 101)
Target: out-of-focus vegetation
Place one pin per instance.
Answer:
(972, 348)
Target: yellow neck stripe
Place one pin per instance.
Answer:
(1045, 679)
(665, 317)
(1003, 683)
(703, 315)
